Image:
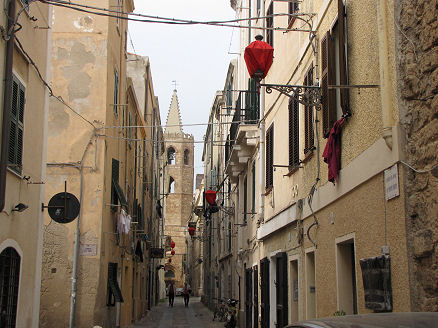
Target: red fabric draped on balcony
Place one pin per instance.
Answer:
(258, 57)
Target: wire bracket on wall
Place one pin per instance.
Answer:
(304, 94)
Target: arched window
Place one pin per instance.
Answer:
(171, 185)
(171, 156)
(9, 280)
(186, 157)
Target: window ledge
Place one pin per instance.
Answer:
(308, 156)
(292, 170)
(268, 191)
(17, 174)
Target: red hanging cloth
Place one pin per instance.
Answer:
(332, 151)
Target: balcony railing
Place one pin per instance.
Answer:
(247, 111)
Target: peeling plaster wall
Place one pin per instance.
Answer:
(417, 61)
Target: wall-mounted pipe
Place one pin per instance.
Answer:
(7, 101)
(385, 72)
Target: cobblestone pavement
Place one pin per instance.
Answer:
(196, 315)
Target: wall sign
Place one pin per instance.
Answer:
(88, 249)
(391, 182)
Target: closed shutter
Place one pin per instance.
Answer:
(282, 290)
(308, 117)
(328, 101)
(270, 157)
(264, 280)
(114, 177)
(114, 294)
(294, 134)
(256, 296)
(116, 91)
(270, 25)
(343, 72)
(16, 127)
(245, 197)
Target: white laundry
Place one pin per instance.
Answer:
(127, 224)
(121, 221)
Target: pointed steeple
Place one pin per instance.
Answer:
(173, 123)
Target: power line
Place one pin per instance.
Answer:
(172, 125)
(171, 21)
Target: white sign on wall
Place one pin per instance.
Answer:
(391, 182)
(88, 250)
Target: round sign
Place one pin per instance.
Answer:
(64, 207)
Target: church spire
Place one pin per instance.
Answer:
(173, 123)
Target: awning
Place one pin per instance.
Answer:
(113, 285)
(120, 194)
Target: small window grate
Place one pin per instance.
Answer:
(9, 283)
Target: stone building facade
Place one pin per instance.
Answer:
(417, 63)
(178, 190)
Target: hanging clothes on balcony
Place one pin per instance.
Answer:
(332, 151)
(123, 222)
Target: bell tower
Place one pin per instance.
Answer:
(179, 171)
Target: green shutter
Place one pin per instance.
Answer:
(116, 90)
(114, 177)
(16, 132)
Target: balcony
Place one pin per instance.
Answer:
(243, 135)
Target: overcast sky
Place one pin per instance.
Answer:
(197, 57)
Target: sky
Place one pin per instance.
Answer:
(196, 57)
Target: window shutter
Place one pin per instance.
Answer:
(16, 127)
(294, 144)
(248, 297)
(328, 78)
(245, 198)
(343, 58)
(308, 116)
(270, 24)
(114, 177)
(270, 157)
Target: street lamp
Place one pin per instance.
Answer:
(258, 58)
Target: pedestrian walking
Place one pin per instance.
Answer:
(186, 293)
(171, 294)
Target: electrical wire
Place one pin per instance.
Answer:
(171, 21)
(172, 125)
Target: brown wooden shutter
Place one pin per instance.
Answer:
(282, 290)
(248, 297)
(294, 144)
(328, 78)
(308, 116)
(264, 292)
(270, 157)
(343, 58)
(256, 297)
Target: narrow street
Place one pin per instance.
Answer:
(197, 315)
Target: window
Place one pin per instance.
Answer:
(335, 102)
(129, 127)
(308, 118)
(270, 25)
(171, 185)
(114, 294)
(186, 157)
(114, 179)
(119, 10)
(171, 156)
(252, 102)
(245, 198)
(294, 134)
(116, 90)
(16, 126)
(9, 283)
(294, 7)
(265, 293)
(253, 172)
(270, 157)
(259, 5)
(229, 95)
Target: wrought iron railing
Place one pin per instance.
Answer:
(246, 111)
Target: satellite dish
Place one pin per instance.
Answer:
(64, 207)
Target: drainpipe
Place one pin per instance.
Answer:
(7, 102)
(385, 73)
(77, 234)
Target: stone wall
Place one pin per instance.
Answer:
(417, 63)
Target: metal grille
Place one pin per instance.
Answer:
(9, 281)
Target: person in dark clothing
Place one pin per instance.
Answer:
(186, 293)
(171, 294)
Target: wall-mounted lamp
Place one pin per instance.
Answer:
(20, 207)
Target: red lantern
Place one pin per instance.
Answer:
(210, 196)
(258, 58)
(172, 244)
(170, 260)
(172, 252)
(191, 231)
